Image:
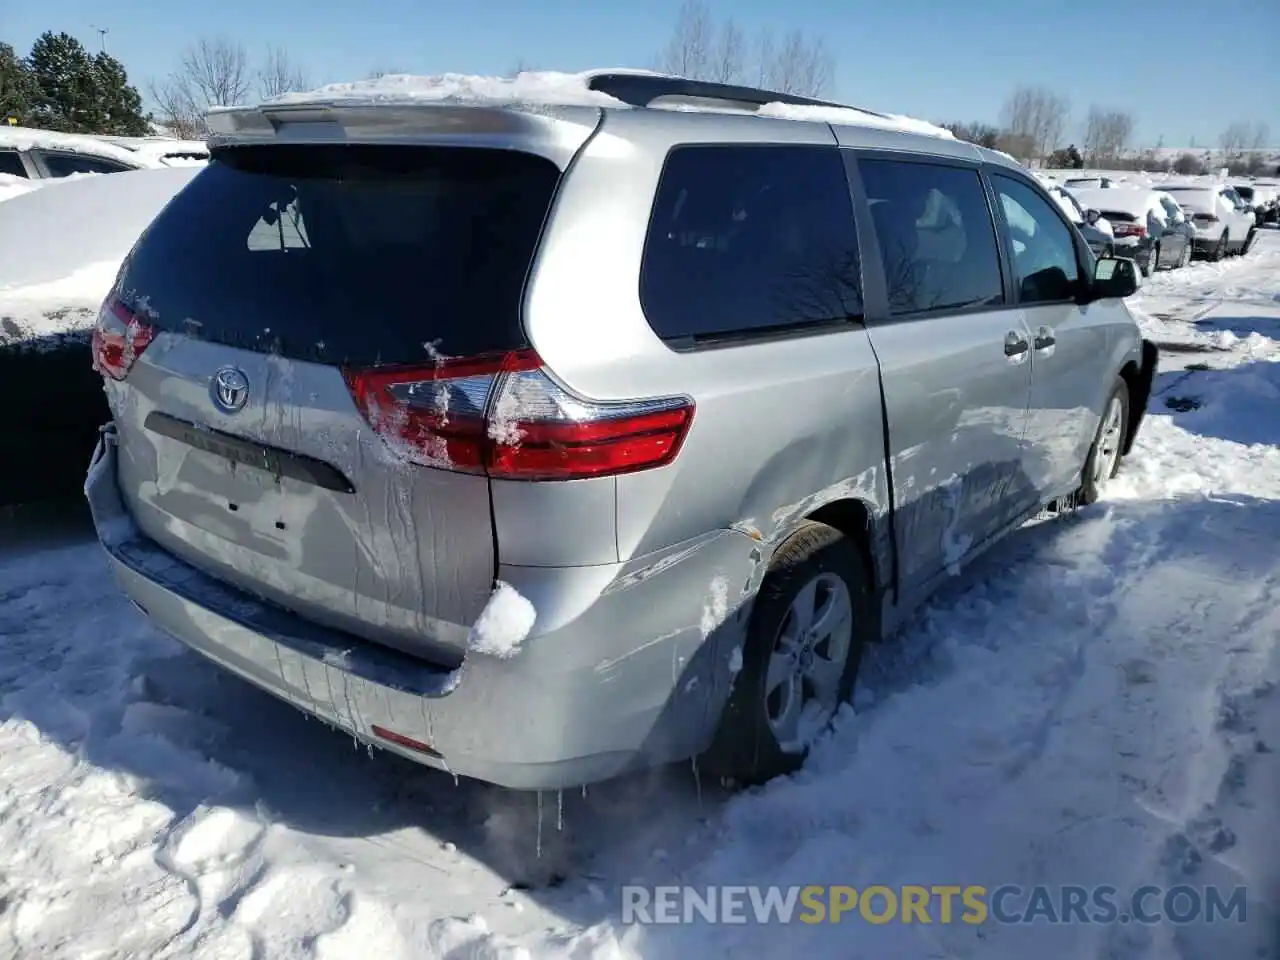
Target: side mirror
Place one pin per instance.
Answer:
(1114, 277)
(1092, 216)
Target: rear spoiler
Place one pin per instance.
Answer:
(554, 132)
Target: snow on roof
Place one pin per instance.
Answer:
(543, 87)
(27, 138)
(552, 88)
(853, 117)
(1126, 199)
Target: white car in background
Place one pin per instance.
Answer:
(45, 155)
(1223, 224)
(1146, 230)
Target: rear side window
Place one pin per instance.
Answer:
(348, 254)
(1045, 266)
(937, 240)
(65, 164)
(748, 239)
(11, 164)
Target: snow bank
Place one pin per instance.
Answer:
(503, 623)
(12, 186)
(61, 246)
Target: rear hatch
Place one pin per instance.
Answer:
(287, 349)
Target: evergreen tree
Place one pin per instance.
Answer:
(63, 71)
(17, 87)
(119, 101)
(76, 92)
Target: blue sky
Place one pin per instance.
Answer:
(1185, 68)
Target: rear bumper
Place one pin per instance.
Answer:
(616, 676)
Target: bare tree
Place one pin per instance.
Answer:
(520, 66)
(1235, 139)
(1106, 133)
(801, 66)
(702, 50)
(1261, 134)
(381, 71)
(688, 52)
(1036, 117)
(728, 58)
(279, 74)
(212, 73)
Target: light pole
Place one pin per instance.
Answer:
(102, 35)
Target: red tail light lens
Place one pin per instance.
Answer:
(505, 417)
(1122, 229)
(119, 339)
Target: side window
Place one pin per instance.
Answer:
(937, 241)
(1045, 268)
(65, 164)
(750, 238)
(11, 164)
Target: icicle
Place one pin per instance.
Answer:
(697, 781)
(559, 811)
(584, 791)
(539, 824)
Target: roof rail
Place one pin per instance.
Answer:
(640, 90)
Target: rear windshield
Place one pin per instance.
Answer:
(347, 253)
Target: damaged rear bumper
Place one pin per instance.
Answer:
(616, 675)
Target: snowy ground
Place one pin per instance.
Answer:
(1097, 702)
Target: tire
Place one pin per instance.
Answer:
(747, 747)
(1249, 241)
(1148, 267)
(1185, 260)
(1219, 249)
(1107, 450)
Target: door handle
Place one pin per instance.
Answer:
(1015, 345)
(1045, 338)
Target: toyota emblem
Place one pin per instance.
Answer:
(230, 390)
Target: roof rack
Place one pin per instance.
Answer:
(640, 90)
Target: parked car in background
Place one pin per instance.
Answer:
(1140, 223)
(1088, 183)
(1260, 197)
(45, 155)
(1271, 190)
(165, 150)
(1223, 225)
(60, 248)
(1096, 228)
(473, 510)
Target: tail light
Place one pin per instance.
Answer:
(1122, 229)
(503, 416)
(119, 339)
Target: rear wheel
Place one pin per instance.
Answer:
(1103, 462)
(1219, 249)
(1148, 267)
(801, 654)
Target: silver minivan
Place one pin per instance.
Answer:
(545, 442)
